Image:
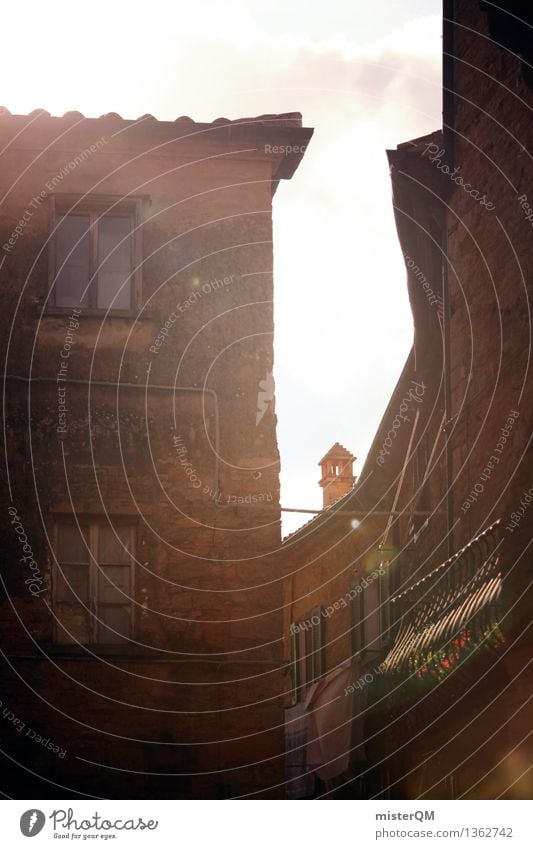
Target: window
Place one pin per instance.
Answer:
(307, 650)
(93, 581)
(294, 660)
(95, 254)
(315, 646)
(449, 785)
(384, 586)
(358, 618)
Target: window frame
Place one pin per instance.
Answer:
(317, 645)
(384, 601)
(307, 647)
(357, 614)
(294, 660)
(93, 605)
(96, 207)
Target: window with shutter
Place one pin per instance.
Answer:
(93, 586)
(307, 650)
(95, 253)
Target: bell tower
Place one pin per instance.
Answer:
(337, 473)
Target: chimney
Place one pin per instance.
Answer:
(337, 473)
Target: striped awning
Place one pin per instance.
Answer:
(450, 614)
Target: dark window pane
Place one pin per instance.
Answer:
(302, 662)
(307, 653)
(72, 261)
(294, 660)
(317, 642)
(114, 544)
(114, 584)
(114, 262)
(73, 584)
(72, 624)
(118, 620)
(358, 615)
(73, 544)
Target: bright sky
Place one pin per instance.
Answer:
(365, 75)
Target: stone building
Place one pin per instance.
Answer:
(140, 616)
(441, 704)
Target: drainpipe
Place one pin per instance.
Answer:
(448, 78)
(448, 144)
(448, 423)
